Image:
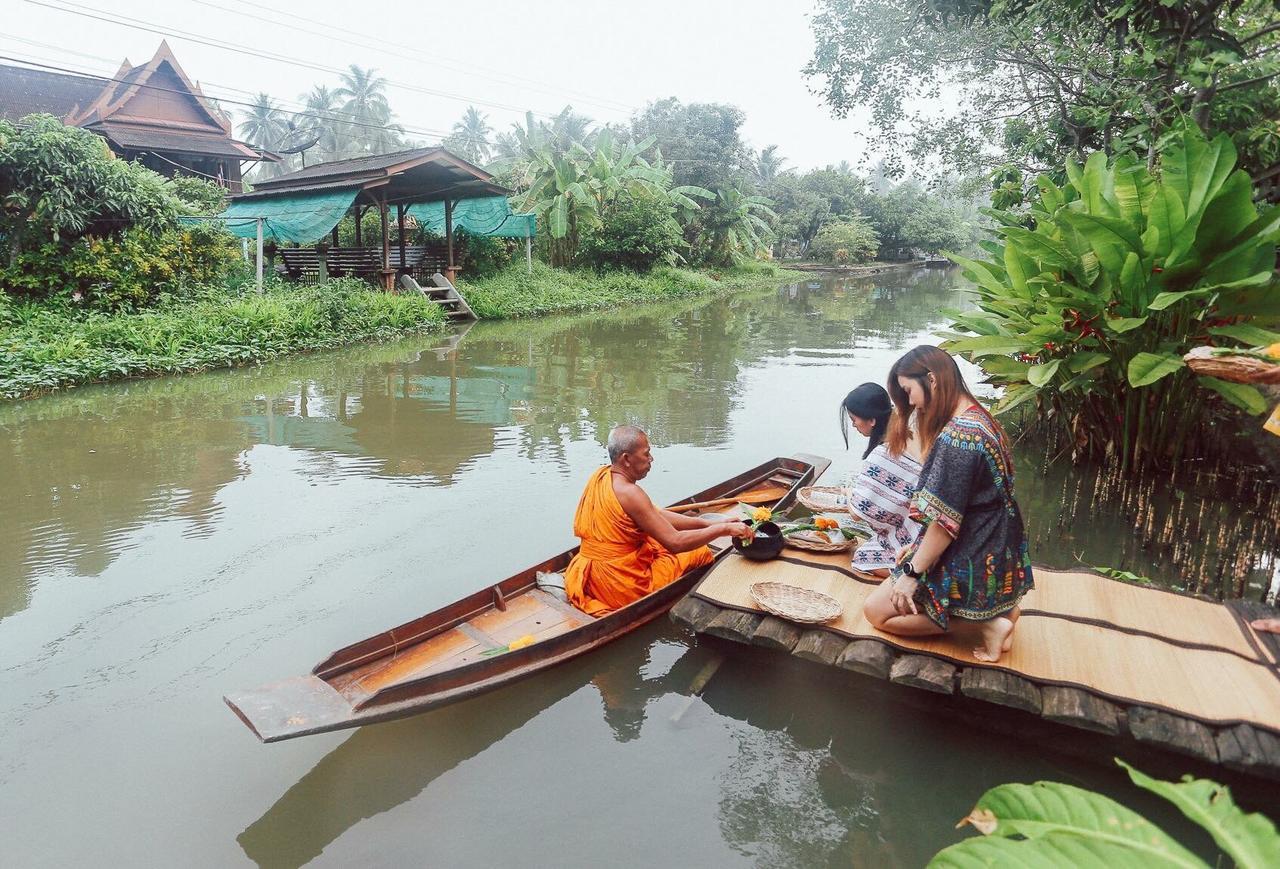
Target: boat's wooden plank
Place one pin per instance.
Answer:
(518, 608)
(564, 607)
(293, 707)
(420, 654)
(481, 637)
(543, 620)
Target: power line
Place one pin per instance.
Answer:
(138, 24)
(416, 55)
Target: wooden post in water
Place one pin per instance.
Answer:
(450, 270)
(259, 277)
(388, 276)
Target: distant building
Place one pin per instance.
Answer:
(151, 113)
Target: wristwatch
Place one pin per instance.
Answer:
(910, 570)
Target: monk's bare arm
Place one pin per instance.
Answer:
(681, 522)
(651, 521)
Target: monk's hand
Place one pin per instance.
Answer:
(902, 595)
(739, 529)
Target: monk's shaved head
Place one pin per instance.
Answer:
(624, 439)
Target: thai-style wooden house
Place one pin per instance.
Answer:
(153, 113)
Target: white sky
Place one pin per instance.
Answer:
(604, 58)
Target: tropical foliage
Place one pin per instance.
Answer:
(1054, 824)
(470, 137)
(1015, 86)
(851, 240)
(638, 233)
(1087, 304)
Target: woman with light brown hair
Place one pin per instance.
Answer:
(971, 563)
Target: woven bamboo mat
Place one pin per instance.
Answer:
(1128, 643)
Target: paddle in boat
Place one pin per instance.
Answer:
(465, 648)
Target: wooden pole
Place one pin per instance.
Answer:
(387, 283)
(359, 214)
(259, 281)
(336, 243)
(400, 209)
(448, 239)
(528, 252)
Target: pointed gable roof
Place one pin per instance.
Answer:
(162, 76)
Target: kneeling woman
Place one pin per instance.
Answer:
(971, 563)
(880, 493)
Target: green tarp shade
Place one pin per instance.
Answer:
(298, 217)
(490, 215)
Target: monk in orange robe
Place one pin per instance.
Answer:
(629, 546)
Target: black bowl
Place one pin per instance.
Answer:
(767, 543)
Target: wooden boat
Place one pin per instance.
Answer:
(461, 650)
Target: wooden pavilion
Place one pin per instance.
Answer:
(305, 207)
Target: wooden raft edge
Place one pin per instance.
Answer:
(1241, 746)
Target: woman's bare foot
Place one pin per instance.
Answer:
(1271, 626)
(994, 633)
(1014, 615)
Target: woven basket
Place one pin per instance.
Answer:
(795, 604)
(1237, 369)
(818, 541)
(823, 498)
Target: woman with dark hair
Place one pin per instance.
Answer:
(880, 493)
(971, 563)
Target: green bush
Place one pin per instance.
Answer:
(126, 270)
(635, 233)
(1089, 312)
(850, 240)
(61, 183)
(197, 195)
(50, 345)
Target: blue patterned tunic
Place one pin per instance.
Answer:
(967, 485)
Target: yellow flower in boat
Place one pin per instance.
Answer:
(761, 514)
(1273, 351)
(526, 640)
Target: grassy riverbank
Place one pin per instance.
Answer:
(52, 345)
(513, 292)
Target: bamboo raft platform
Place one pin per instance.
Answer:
(1144, 667)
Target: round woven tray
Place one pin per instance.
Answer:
(794, 603)
(821, 498)
(1237, 369)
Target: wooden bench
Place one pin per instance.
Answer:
(302, 264)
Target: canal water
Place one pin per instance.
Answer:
(165, 542)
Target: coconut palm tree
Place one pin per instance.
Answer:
(769, 165)
(323, 111)
(470, 137)
(265, 126)
(365, 106)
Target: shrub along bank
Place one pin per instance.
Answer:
(513, 292)
(49, 345)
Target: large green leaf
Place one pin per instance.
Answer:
(1039, 375)
(559, 222)
(1120, 325)
(1051, 851)
(1243, 396)
(1014, 396)
(1168, 216)
(1164, 300)
(1251, 335)
(1050, 810)
(1050, 252)
(1147, 368)
(1250, 840)
(986, 345)
(1083, 361)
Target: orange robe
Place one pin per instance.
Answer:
(618, 563)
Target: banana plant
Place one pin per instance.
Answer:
(1087, 304)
